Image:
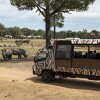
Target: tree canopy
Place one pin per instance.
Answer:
(1, 27)
(57, 21)
(48, 8)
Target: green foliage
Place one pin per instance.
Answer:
(53, 6)
(2, 29)
(23, 4)
(69, 33)
(26, 31)
(16, 32)
(57, 20)
(1, 26)
(94, 32)
(48, 8)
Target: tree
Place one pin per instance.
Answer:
(14, 31)
(2, 28)
(95, 32)
(50, 7)
(26, 31)
(57, 21)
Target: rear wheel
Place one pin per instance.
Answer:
(47, 76)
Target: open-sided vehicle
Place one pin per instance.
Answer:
(68, 59)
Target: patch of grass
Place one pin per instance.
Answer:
(31, 51)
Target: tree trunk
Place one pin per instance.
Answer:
(47, 28)
(54, 32)
(54, 28)
(1, 36)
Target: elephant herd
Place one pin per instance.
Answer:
(7, 53)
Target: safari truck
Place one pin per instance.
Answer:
(74, 59)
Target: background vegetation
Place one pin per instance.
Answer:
(16, 32)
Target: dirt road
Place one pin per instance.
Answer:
(20, 84)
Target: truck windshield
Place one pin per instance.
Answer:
(41, 55)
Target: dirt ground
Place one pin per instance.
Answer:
(18, 83)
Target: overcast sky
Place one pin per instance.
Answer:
(10, 16)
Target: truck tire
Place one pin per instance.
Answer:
(47, 76)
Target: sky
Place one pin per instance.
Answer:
(10, 16)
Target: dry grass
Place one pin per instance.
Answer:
(35, 42)
(30, 48)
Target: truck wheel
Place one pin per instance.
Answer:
(46, 76)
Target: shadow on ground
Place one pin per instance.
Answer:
(71, 83)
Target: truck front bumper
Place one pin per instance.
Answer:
(36, 71)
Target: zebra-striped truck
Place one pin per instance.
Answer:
(68, 59)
